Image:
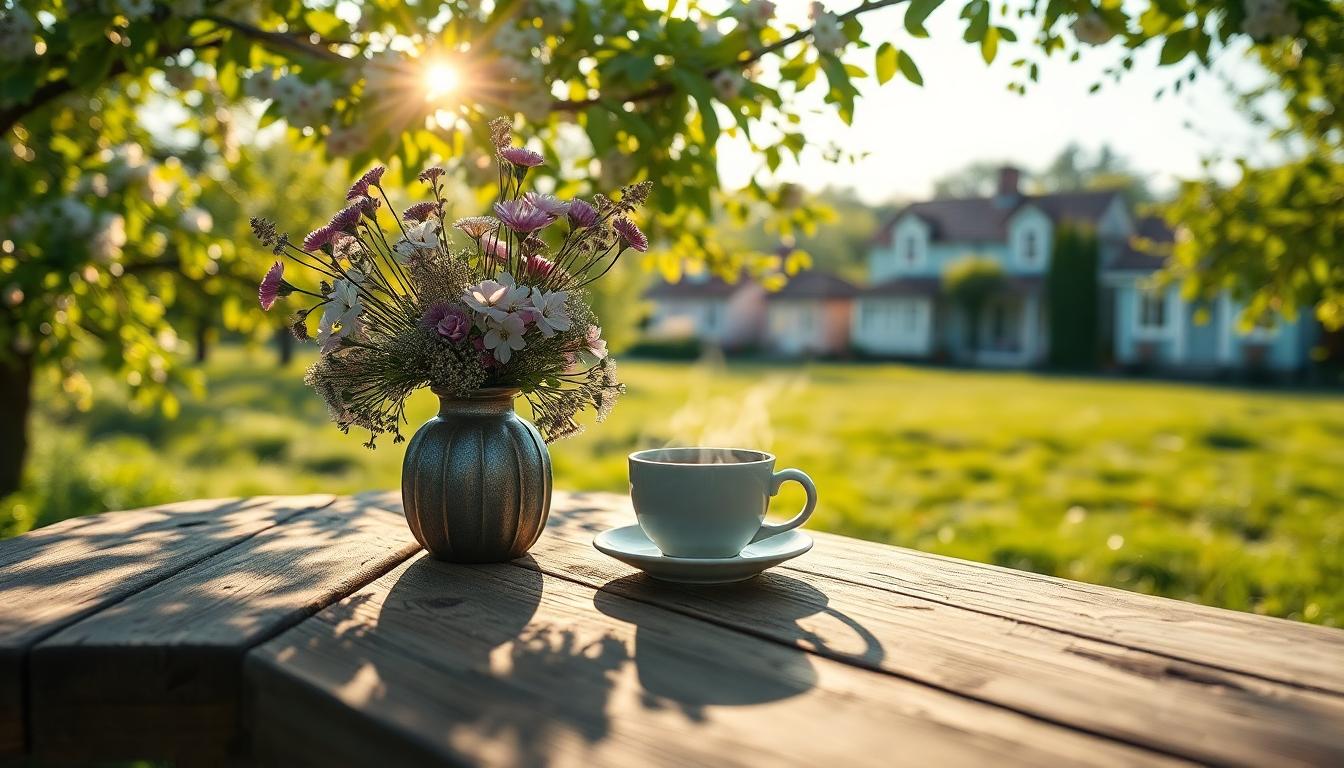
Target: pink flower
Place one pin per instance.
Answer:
(318, 238)
(520, 216)
(581, 214)
(273, 286)
(521, 157)
(346, 219)
(548, 203)
(451, 321)
(496, 250)
(537, 268)
(420, 211)
(370, 178)
(430, 175)
(594, 344)
(630, 234)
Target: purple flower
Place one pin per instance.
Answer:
(630, 234)
(451, 321)
(547, 203)
(272, 285)
(581, 214)
(370, 178)
(430, 175)
(346, 219)
(521, 157)
(318, 238)
(420, 211)
(369, 206)
(520, 216)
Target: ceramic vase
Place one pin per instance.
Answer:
(476, 480)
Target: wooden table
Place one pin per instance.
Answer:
(311, 631)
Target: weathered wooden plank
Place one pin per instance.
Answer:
(1298, 654)
(501, 665)
(54, 576)
(158, 674)
(1194, 711)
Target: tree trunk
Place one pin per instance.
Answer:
(284, 340)
(202, 342)
(16, 382)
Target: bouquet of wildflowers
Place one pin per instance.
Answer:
(402, 307)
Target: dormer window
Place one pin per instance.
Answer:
(1031, 248)
(911, 243)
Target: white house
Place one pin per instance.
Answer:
(1156, 327)
(905, 312)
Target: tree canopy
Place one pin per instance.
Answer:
(125, 123)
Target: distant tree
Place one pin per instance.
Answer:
(976, 179)
(970, 282)
(1073, 300)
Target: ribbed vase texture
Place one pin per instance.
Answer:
(476, 481)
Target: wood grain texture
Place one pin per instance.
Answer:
(158, 674)
(1180, 708)
(54, 576)
(1298, 654)
(436, 663)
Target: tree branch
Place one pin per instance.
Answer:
(663, 89)
(282, 40)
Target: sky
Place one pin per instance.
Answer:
(965, 113)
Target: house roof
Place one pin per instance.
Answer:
(1147, 250)
(714, 287)
(922, 285)
(815, 284)
(985, 219)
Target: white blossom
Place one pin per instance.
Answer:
(111, 236)
(16, 34)
(423, 236)
(196, 220)
(346, 141)
(827, 35)
(495, 299)
(504, 336)
(728, 84)
(756, 13)
(341, 316)
(549, 312)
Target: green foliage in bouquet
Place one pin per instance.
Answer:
(402, 308)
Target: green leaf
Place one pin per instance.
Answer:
(886, 62)
(1177, 46)
(908, 68)
(90, 68)
(597, 121)
(916, 13)
(989, 45)
(697, 86)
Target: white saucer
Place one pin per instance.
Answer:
(629, 545)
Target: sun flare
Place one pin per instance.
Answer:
(441, 79)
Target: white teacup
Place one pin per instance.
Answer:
(709, 502)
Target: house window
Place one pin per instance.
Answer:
(911, 243)
(1152, 310)
(998, 325)
(911, 318)
(711, 317)
(1030, 247)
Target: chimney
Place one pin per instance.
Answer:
(1009, 178)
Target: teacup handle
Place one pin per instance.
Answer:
(781, 477)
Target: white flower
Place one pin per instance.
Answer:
(1092, 29)
(755, 12)
(287, 91)
(423, 236)
(549, 312)
(728, 85)
(16, 34)
(826, 33)
(505, 336)
(495, 298)
(341, 316)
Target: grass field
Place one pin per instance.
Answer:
(1222, 496)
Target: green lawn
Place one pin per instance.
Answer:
(1223, 496)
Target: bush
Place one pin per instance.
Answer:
(1074, 301)
(686, 348)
